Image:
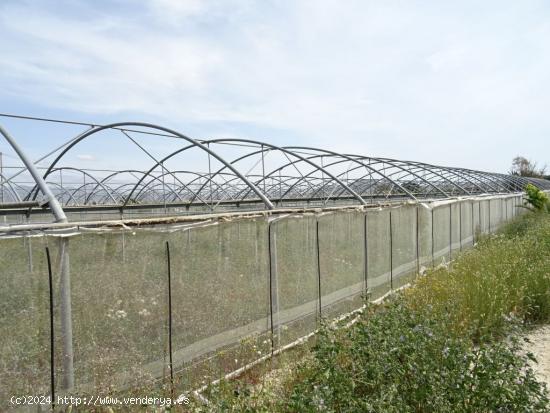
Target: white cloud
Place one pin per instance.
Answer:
(417, 81)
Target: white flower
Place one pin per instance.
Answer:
(144, 312)
(120, 314)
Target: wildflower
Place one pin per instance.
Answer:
(120, 314)
(144, 312)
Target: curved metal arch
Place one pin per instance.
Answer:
(288, 152)
(192, 141)
(93, 178)
(452, 172)
(63, 190)
(392, 162)
(55, 206)
(484, 184)
(432, 172)
(5, 181)
(360, 164)
(199, 175)
(323, 169)
(105, 179)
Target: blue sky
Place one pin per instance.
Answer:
(453, 83)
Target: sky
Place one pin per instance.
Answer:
(451, 83)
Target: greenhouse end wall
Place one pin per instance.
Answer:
(203, 299)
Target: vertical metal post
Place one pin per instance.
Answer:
(66, 314)
(273, 287)
(433, 257)
(460, 223)
(450, 232)
(318, 265)
(417, 242)
(473, 224)
(479, 213)
(365, 254)
(391, 254)
(489, 216)
(52, 337)
(29, 253)
(169, 273)
(163, 187)
(1, 179)
(263, 169)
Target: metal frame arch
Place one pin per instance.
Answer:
(288, 152)
(192, 141)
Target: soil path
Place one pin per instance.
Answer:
(540, 347)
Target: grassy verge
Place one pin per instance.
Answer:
(448, 344)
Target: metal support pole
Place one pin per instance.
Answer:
(171, 364)
(66, 314)
(450, 232)
(273, 287)
(1, 179)
(433, 258)
(52, 337)
(365, 254)
(318, 250)
(55, 206)
(391, 254)
(417, 242)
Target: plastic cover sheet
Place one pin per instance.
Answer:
(378, 252)
(295, 282)
(403, 224)
(425, 236)
(342, 261)
(456, 227)
(220, 297)
(441, 233)
(24, 320)
(118, 298)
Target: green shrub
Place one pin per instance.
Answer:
(536, 200)
(402, 360)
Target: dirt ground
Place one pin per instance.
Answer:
(540, 347)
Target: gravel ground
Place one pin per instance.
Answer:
(540, 347)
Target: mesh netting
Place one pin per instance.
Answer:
(233, 283)
(342, 261)
(424, 236)
(220, 297)
(456, 228)
(403, 226)
(441, 233)
(378, 252)
(24, 319)
(295, 284)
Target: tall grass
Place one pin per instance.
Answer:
(506, 276)
(447, 344)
